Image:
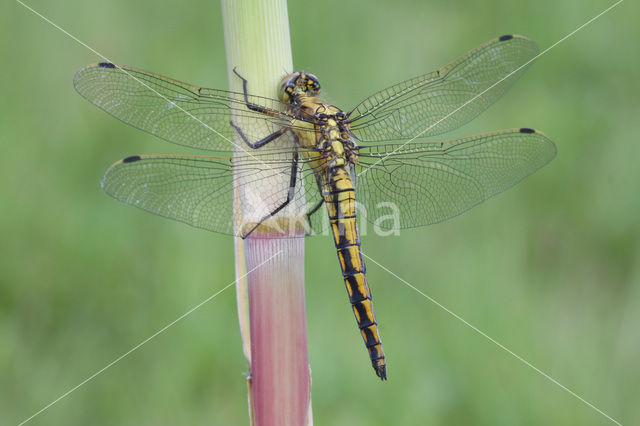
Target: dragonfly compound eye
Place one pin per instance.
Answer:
(312, 86)
(287, 86)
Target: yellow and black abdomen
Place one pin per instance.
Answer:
(339, 196)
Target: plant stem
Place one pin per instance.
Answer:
(272, 296)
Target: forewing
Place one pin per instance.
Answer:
(445, 99)
(177, 112)
(424, 183)
(199, 191)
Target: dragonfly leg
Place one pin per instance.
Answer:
(290, 194)
(312, 211)
(262, 142)
(250, 105)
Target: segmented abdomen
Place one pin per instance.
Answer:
(339, 196)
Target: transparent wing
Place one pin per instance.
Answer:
(175, 111)
(403, 186)
(200, 190)
(443, 100)
(316, 211)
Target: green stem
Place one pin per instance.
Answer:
(271, 298)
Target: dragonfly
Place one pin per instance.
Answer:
(314, 153)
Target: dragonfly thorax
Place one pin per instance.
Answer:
(333, 138)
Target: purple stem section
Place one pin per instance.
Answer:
(280, 378)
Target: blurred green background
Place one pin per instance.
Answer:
(551, 268)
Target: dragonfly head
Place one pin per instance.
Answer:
(298, 84)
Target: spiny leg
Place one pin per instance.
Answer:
(317, 206)
(262, 142)
(250, 105)
(290, 194)
(311, 212)
(314, 209)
